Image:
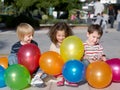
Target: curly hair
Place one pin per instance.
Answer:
(59, 26)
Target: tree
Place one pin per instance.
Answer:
(23, 5)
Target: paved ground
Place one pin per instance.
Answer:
(110, 42)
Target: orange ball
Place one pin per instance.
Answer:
(99, 74)
(51, 63)
(4, 62)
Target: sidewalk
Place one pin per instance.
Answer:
(110, 42)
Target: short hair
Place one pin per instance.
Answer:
(24, 29)
(59, 26)
(95, 27)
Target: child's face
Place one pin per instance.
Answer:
(93, 38)
(27, 38)
(60, 35)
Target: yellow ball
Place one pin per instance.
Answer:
(72, 48)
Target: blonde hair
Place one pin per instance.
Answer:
(24, 29)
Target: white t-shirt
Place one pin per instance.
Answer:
(98, 7)
(55, 48)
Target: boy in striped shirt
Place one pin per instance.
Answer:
(93, 50)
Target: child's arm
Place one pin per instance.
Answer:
(102, 58)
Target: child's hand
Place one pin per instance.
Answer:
(95, 58)
(103, 58)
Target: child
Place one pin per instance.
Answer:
(118, 20)
(104, 21)
(57, 34)
(111, 13)
(73, 17)
(25, 34)
(98, 19)
(93, 50)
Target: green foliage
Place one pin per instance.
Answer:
(0, 19)
(30, 8)
(49, 21)
(47, 3)
(9, 22)
(22, 5)
(12, 21)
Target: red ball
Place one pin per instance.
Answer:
(28, 56)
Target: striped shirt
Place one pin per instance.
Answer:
(92, 52)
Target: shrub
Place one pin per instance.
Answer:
(12, 21)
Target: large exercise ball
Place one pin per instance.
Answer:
(72, 48)
(99, 74)
(115, 66)
(28, 55)
(51, 63)
(74, 71)
(17, 77)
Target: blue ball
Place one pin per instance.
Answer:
(74, 71)
(2, 80)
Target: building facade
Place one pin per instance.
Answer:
(110, 1)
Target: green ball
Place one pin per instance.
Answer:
(17, 77)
